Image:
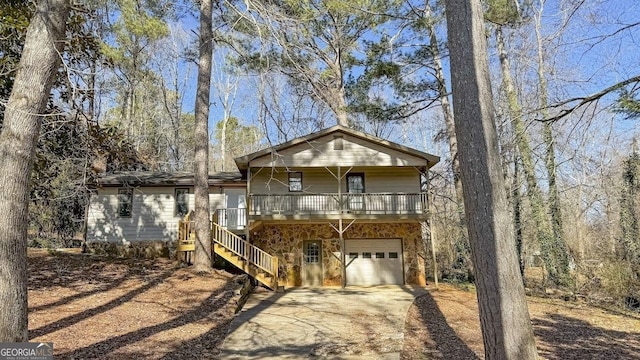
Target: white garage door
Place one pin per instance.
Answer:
(374, 262)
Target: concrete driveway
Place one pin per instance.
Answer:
(358, 322)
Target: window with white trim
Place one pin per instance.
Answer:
(295, 181)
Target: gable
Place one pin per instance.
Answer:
(337, 146)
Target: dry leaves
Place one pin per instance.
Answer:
(98, 307)
(444, 324)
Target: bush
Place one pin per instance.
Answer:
(618, 281)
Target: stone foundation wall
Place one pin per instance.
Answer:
(286, 241)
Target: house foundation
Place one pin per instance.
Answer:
(286, 242)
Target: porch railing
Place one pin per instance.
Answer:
(232, 218)
(367, 203)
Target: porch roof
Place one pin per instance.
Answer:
(157, 178)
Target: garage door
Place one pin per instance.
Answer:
(374, 262)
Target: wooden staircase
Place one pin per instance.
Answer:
(247, 257)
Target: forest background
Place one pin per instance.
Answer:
(564, 74)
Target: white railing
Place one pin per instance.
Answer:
(246, 251)
(367, 203)
(232, 219)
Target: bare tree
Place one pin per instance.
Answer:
(226, 84)
(560, 250)
(543, 230)
(23, 117)
(504, 318)
(175, 126)
(202, 259)
(447, 114)
(311, 43)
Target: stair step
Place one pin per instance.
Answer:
(245, 265)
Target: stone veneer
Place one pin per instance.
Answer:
(285, 241)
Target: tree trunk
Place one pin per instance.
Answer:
(341, 108)
(223, 143)
(561, 253)
(517, 215)
(443, 95)
(31, 89)
(544, 234)
(504, 318)
(202, 258)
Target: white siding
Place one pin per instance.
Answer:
(355, 152)
(320, 180)
(152, 214)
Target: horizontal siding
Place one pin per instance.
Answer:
(152, 215)
(321, 152)
(393, 180)
(320, 180)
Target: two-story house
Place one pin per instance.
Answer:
(334, 207)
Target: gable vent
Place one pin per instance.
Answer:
(338, 144)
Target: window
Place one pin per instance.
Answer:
(312, 252)
(393, 255)
(380, 255)
(353, 255)
(355, 187)
(295, 181)
(181, 202)
(366, 255)
(355, 183)
(125, 201)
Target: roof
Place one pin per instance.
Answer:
(243, 161)
(155, 178)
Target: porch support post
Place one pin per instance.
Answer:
(341, 232)
(432, 232)
(247, 226)
(342, 248)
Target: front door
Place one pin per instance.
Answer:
(235, 212)
(355, 187)
(312, 263)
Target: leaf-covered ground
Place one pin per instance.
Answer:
(96, 307)
(444, 325)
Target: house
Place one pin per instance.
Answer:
(285, 217)
(136, 206)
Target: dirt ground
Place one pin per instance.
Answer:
(444, 325)
(95, 307)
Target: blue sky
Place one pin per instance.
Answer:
(590, 56)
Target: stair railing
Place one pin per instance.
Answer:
(246, 251)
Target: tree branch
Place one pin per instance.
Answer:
(579, 102)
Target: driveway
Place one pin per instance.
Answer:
(357, 322)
